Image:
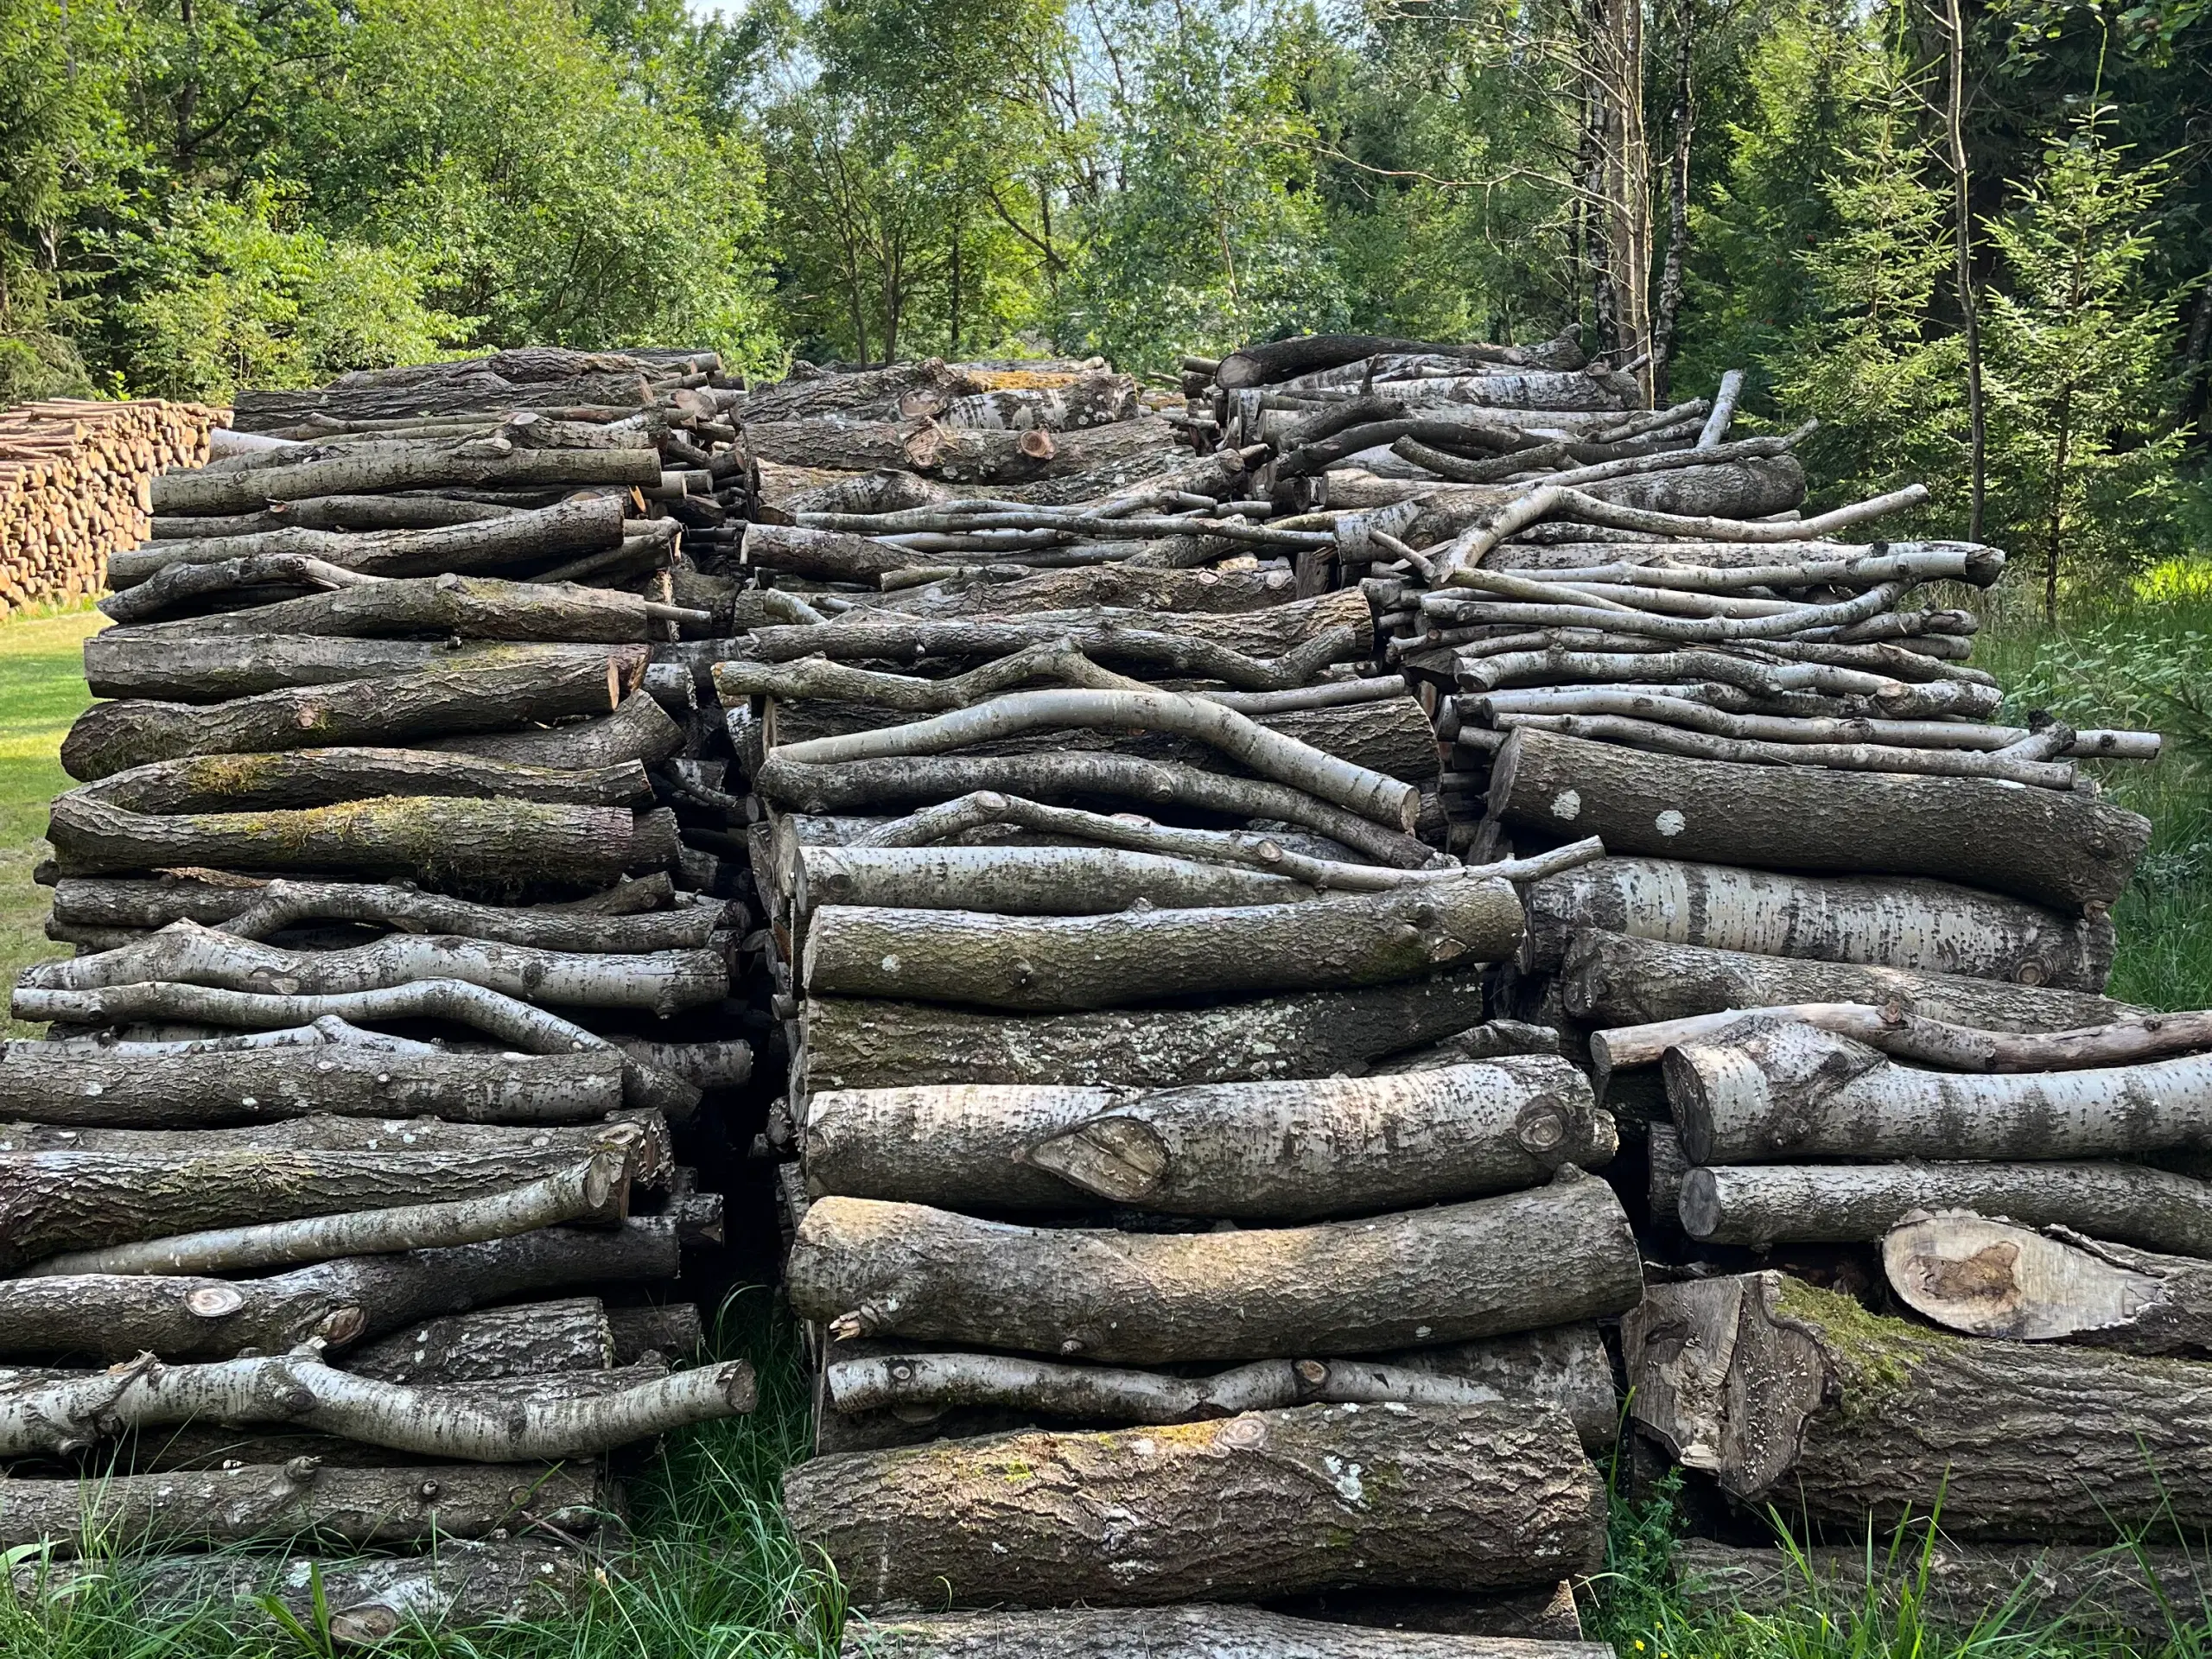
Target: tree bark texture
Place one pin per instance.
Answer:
(372, 468)
(1456, 1498)
(1799, 1397)
(451, 605)
(1121, 585)
(355, 1506)
(525, 1339)
(1024, 880)
(339, 1302)
(191, 1091)
(466, 698)
(852, 1043)
(283, 904)
(1759, 1204)
(1550, 1255)
(1919, 925)
(1194, 1632)
(304, 777)
(2047, 846)
(1250, 1151)
(119, 902)
(1786, 1091)
(219, 667)
(639, 730)
(1071, 963)
(1612, 979)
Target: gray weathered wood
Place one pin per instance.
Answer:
(1195, 1631)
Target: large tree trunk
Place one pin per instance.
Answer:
(1054, 962)
(1919, 925)
(526, 1339)
(1455, 1497)
(1197, 1631)
(1996, 1278)
(471, 697)
(160, 1090)
(1798, 1397)
(2047, 846)
(1252, 1151)
(1547, 1256)
(1759, 1204)
(220, 667)
(1787, 1092)
(428, 838)
(357, 1506)
(1614, 979)
(340, 1302)
(372, 468)
(855, 1044)
(468, 607)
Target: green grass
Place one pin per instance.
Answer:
(41, 691)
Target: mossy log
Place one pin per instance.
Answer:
(1249, 1151)
(854, 1043)
(1901, 922)
(1549, 1255)
(2049, 847)
(1800, 1398)
(1454, 1497)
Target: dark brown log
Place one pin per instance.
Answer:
(368, 469)
(855, 1044)
(1614, 980)
(639, 730)
(1465, 1498)
(670, 1333)
(1197, 1631)
(425, 838)
(470, 607)
(1898, 921)
(117, 1089)
(1760, 1204)
(305, 777)
(1547, 1256)
(1253, 1151)
(1995, 1278)
(1800, 1398)
(475, 695)
(1056, 963)
(2046, 846)
(356, 1506)
(215, 668)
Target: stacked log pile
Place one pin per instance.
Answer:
(363, 1146)
(74, 478)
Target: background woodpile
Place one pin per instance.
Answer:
(365, 1146)
(73, 488)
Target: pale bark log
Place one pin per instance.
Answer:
(120, 902)
(2045, 846)
(1784, 1092)
(355, 1506)
(1995, 1278)
(1024, 880)
(1800, 1398)
(305, 777)
(265, 578)
(116, 1088)
(1672, 738)
(643, 1137)
(423, 838)
(1195, 1631)
(572, 527)
(357, 512)
(1759, 1204)
(926, 387)
(1896, 922)
(1465, 1498)
(528, 1340)
(1123, 586)
(820, 678)
(1614, 979)
(281, 903)
(469, 608)
(72, 1413)
(1284, 359)
(724, 1064)
(464, 698)
(874, 786)
(639, 730)
(856, 1044)
(1249, 1151)
(1268, 631)
(364, 469)
(1056, 963)
(1549, 1256)
(661, 982)
(1865, 681)
(219, 667)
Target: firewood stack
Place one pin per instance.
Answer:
(364, 1140)
(73, 477)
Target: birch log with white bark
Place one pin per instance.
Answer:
(1250, 1151)
(856, 1043)
(2046, 846)
(1195, 1631)
(1800, 1398)
(1786, 1091)
(1550, 1255)
(1070, 962)
(1759, 1204)
(1894, 922)
(1458, 1498)
(1998, 1279)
